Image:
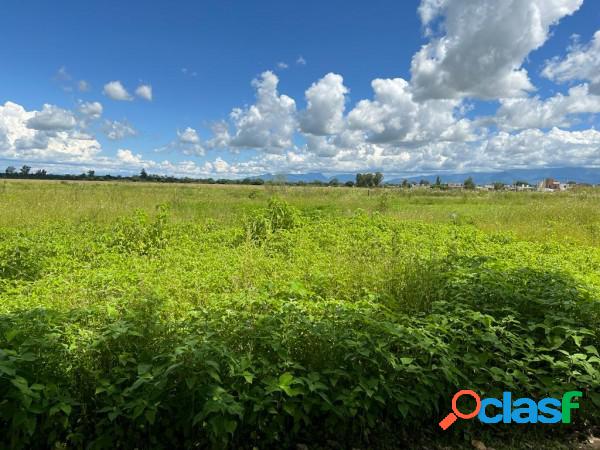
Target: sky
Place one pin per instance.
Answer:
(230, 89)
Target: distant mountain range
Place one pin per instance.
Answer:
(564, 174)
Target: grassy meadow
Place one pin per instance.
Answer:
(140, 315)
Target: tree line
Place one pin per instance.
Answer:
(363, 180)
(25, 172)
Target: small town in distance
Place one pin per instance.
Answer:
(367, 179)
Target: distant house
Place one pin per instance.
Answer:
(523, 187)
(455, 186)
(552, 185)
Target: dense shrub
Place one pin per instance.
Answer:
(19, 258)
(278, 215)
(139, 234)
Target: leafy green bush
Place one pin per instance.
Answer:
(278, 215)
(138, 234)
(19, 259)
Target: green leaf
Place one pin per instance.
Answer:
(286, 379)
(144, 368)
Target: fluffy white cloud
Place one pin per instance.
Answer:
(188, 136)
(483, 46)
(74, 151)
(187, 142)
(325, 106)
(321, 146)
(91, 110)
(221, 137)
(519, 113)
(270, 123)
(534, 148)
(49, 134)
(347, 151)
(581, 63)
(128, 157)
(116, 130)
(144, 91)
(394, 116)
(504, 150)
(116, 91)
(221, 166)
(52, 118)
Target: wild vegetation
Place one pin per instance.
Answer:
(179, 316)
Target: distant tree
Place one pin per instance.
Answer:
(40, 173)
(369, 179)
(438, 181)
(10, 170)
(364, 179)
(334, 182)
(349, 184)
(424, 183)
(143, 174)
(521, 183)
(92, 173)
(25, 170)
(469, 183)
(405, 183)
(377, 179)
(498, 186)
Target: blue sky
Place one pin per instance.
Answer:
(441, 104)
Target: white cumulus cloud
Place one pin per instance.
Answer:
(582, 63)
(116, 130)
(325, 106)
(128, 157)
(49, 134)
(483, 46)
(394, 116)
(559, 110)
(91, 110)
(144, 91)
(52, 118)
(270, 123)
(116, 91)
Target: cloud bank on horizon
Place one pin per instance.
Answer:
(474, 54)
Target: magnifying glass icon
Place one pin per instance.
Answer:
(456, 414)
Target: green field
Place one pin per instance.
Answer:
(156, 316)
